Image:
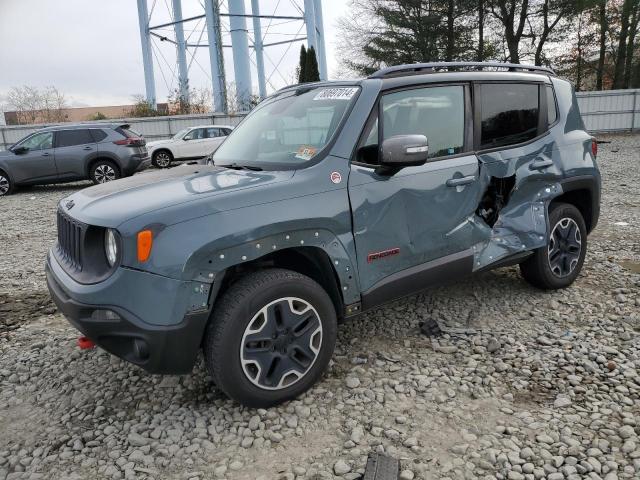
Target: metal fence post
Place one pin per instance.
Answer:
(633, 111)
(4, 140)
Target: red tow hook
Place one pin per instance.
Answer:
(84, 343)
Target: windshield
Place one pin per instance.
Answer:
(181, 133)
(288, 130)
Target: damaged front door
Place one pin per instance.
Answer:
(420, 214)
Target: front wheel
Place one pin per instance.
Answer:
(558, 264)
(271, 337)
(162, 159)
(104, 171)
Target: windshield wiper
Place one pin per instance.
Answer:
(236, 166)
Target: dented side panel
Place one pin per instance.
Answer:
(540, 169)
(413, 213)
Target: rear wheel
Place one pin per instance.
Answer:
(104, 171)
(271, 337)
(162, 159)
(6, 186)
(558, 264)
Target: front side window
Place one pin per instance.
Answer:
(39, 141)
(69, 138)
(288, 130)
(435, 112)
(195, 134)
(180, 134)
(509, 113)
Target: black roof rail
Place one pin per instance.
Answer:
(420, 68)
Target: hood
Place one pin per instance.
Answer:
(6, 154)
(114, 203)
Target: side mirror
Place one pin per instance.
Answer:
(20, 150)
(402, 151)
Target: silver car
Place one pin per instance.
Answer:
(67, 153)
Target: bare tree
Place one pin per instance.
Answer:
(200, 100)
(33, 105)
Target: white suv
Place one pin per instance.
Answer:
(188, 144)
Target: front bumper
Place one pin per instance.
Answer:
(166, 349)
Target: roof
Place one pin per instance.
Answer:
(440, 67)
(75, 126)
(211, 126)
(451, 71)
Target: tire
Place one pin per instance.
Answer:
(162, 159)
(6, 185)
(104, 171)
(236, 343)
(558, 264)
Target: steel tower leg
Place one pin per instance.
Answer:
(183, 72)
(322, 53)
(240, 49)
(212, 12)
(147, 55)
(257, 43)
(310, 22)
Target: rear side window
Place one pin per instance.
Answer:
(212, 132)
(552, 112)
(69, 138)
(435, 112)
(509, 113)
(98, 135)
(225, 131)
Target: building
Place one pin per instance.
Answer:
(78, 114)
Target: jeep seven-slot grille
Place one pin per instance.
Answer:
(70, 235)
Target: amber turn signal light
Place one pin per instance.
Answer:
(145, 242)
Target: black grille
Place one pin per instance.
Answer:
(70, 236)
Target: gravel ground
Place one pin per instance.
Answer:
(545, 386)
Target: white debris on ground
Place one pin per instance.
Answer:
(549, 387)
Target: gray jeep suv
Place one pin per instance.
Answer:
(67, 153)
(327, 200)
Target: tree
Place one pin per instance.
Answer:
(513, 17)
(379, 33)
(33, 105)
(98, 116)
(603, 22)
(312, 73)
(302, 65)
(200, 100)
(141, 108)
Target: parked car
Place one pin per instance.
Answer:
(67, 153)
(329, 199)
(193, 143)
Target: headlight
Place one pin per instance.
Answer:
(111, 246)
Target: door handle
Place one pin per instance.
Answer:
(458, 182)
(540, 164)
(46, 154)
(88, 148)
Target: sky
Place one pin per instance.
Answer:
(90, 49)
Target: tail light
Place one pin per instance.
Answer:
(131, 142)
(594, 147)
